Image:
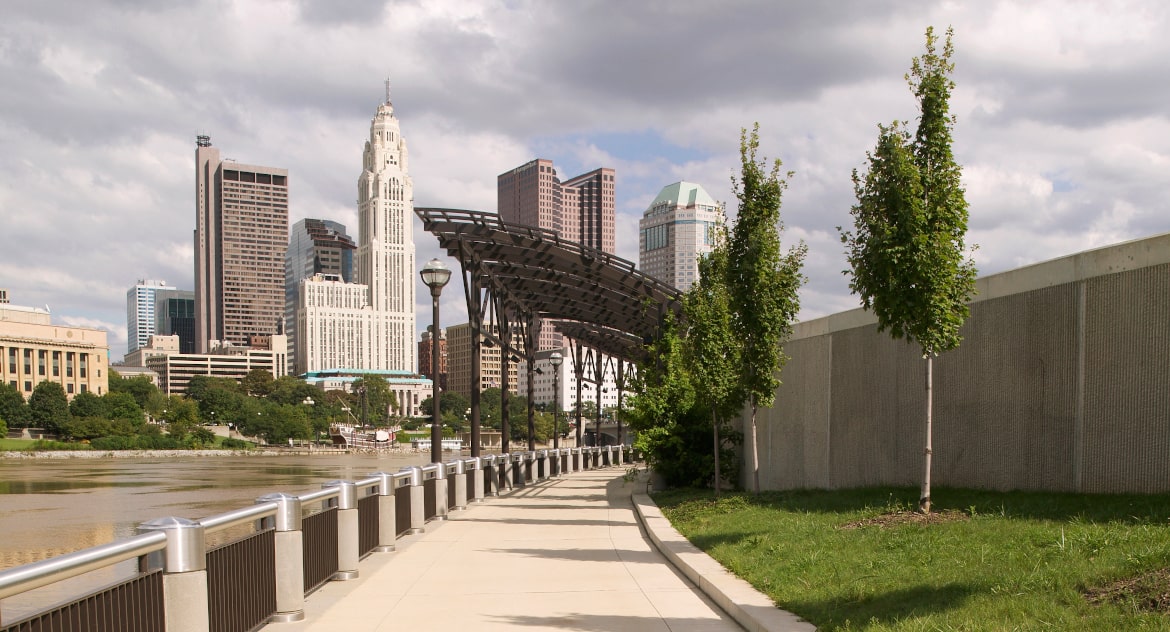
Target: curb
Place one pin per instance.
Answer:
(749, 607)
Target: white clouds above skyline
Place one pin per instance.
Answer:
(1063, 118)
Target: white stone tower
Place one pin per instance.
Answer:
(385, 253)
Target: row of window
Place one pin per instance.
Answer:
(44, 361)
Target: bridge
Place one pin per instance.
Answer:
(564, 539)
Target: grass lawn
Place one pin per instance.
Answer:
(993, 561)
(16, 444)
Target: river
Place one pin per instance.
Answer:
(53, 506)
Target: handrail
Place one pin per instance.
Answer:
(230, 519)
(324, 494)
(37, 574)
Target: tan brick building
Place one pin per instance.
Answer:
(33, 350)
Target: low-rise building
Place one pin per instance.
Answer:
(34, 350)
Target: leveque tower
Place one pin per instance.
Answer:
(385, 252)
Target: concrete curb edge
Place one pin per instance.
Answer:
(749, 607)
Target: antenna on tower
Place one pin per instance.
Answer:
(387, 89)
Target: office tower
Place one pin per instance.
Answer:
(385, 253)
(174, 315)
(140, 312)
(425, 357)
(580, 210)
(241, 235)
(315, 247)
(677, 228)
(333, 321)
(459, 361)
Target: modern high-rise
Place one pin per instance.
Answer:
(174, 313)
(141, 317)
(241, 235)
(677, 228)
(315, 247)
(580, 210)
(385, 252)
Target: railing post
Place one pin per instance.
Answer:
(491, 478)
(440, 491)
(387, 515)
(541, 464)
(460, 483)
(504, 472)
(184, 564)
(518, 480)
(290, 558)
(348, 544)
(417, 515)
(475, 464)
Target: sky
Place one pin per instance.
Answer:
(1062, 115)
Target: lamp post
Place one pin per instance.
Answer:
(555, 360)
(308, 401)
(435, 275)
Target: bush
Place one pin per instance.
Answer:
(234, 444)
(115, 443)
(47, 445)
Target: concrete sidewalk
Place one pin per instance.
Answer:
(563, 554)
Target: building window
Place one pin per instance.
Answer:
(69, 364)
(84, 364)
(69, 388)
(41, 359)
(27, 386)
(12, 360)
(56, 364)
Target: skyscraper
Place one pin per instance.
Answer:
(241, 235)
(141, 318)
(315, 246)
(385, 253)
(580, 209)
(677, 228)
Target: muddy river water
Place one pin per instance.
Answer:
(53, 506)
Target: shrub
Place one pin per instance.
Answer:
(235, 444)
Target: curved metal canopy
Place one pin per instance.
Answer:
(594, 297)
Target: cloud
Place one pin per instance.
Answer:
(1062, 122)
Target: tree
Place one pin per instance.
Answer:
(122, 406)
(13, 410)
(181, 415)
(257, 382)
(668, 428)
(87, 405)
(764, 282)
(49, 407)
(909, 263)
(712, 353)
(379, 400)
(139, 386)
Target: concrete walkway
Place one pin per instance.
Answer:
(563, 554)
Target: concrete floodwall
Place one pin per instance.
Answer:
(1062, 383)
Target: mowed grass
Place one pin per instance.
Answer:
(1012, 561)
(16, 444)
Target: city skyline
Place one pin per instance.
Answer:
(1062, 128)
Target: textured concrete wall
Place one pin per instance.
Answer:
(1062, 383)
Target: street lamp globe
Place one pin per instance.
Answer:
(435, 275)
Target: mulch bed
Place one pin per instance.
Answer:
(1150, 592)
(900, 517)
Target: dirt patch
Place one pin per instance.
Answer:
(902, 517)
(1150, 592)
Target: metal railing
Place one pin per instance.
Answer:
(290, 546)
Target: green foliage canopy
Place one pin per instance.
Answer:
(907, 254)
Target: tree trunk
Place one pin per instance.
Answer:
(755, 452)
(924, 496)
(715, 424)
